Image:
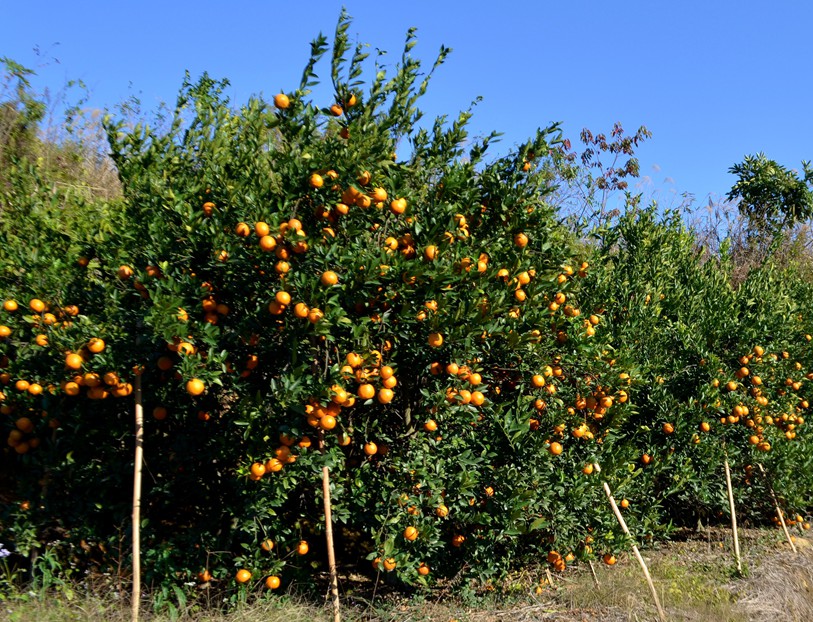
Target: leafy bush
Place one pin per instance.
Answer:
(293, 295)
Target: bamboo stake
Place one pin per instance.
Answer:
(550, 577)
(636, 552)
(733, 517)
(778, 509)
(139, 457)
(331, 554)
(593, 571)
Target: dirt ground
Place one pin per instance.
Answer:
(695, 577)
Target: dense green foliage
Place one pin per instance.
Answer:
(770, 196)
(521, 355)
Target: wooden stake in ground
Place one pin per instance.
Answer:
(593, 572)
(636, 552)
(331, 555)
(139, 457)
(733, 517)
(778, 509)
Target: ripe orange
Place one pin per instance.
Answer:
(521, 240)
(625, 503)
(668, 428)
(336, 110)
(423, 569)
(268, 243)
(261, 229)
(411, 534)
(273, 465)
(314, 315)
(609, 559)
(71, 388)
(430, 425)
(195, 386)
(328, 422)
(302, 548)
(329, 278)
(275, 308)
(25, 425)
(389, 564)
(435, 340)
(38, 306)
(91, 379)
(366, 391)
(301, 310)
(258, 469)
(242, 229)
(555, 448)
(442, 511)
(204, 576)
(430, 252)
(272, 582)
(398, 206)
(243, 576)
(10, 305)
(124, 272)
(316, 181)
(283, 298)
(281, 101)
(96, 345)
(385, 396)
(458, 540)
(186, 349)
(371, 449)
(5, 331)
(267, 544)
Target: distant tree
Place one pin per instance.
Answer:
(771, 196)
(20, 113)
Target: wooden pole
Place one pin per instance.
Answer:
(733, 517)
(593, 572)
(139, 458)
(636, 552)
(331, 554)
(778, 509)
(549, 576)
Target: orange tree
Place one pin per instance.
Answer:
(296, 295)
(719, 371)
(422, 316)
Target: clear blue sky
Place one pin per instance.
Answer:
(713, 80)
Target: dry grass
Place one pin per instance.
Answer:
(781, 588)
(695, 579)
